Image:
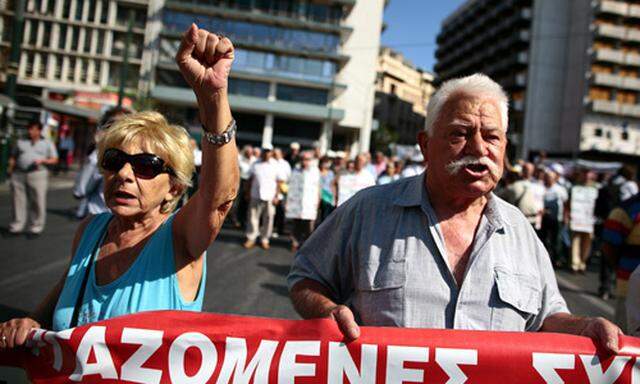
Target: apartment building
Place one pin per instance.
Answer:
(492, 38)
(74, 44)
(402, 94)
(573, 71)
(301, 73)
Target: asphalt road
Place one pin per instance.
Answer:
(240, 281)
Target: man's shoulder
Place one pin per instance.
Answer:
(510, 212)
(380, 195)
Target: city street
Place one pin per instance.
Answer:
(239, 281)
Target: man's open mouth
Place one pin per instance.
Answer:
(477, 168)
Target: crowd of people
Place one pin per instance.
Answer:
(290, 194)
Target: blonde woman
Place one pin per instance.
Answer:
(143, 256)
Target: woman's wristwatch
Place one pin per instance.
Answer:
(222, 138)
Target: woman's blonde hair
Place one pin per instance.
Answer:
(155, 135)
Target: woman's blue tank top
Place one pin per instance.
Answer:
(149, 284)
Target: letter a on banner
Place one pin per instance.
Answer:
(94, 339)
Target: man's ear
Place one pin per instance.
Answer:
(423, 139)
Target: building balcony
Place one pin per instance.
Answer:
(613, 7)
(617, 56)
(609, 55)
(615, 108)
(616, 81)
(186, 97)
(614, 31)
(632, 59)
(634, 11)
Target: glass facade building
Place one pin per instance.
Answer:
(287, 56)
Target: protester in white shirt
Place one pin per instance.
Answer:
(263, 196)
(389, 175)
(241, 205)
(414, 167)
(581, 218)
(303, 200)
(351, 183)
(284, 173)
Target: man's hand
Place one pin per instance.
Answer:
(603, 332)
(346, 322)
(205, 61)
(312, 300)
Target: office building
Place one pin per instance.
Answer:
(402, 94)
(304, 70)
(571, 69)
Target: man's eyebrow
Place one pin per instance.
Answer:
(460, 123)
(490, 128)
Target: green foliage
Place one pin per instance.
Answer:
(382, 138)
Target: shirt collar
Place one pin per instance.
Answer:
(414, 194)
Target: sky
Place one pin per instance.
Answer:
(412, 28)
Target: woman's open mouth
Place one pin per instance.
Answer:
(122, 196)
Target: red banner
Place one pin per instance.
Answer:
(187, 347)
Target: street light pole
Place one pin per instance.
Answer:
(11, 84)
(125, 57)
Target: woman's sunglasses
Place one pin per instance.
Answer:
(145, 165)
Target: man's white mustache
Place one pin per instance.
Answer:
(456, 165)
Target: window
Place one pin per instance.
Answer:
(284, 130)
(33, 32)
(57, 72)
(51, 7)
(84, 70)
(249, 88)
(96, 72)
(104, 11)
(46, 35)
(72, 69)
(100, 42)
(301, 94)
(62, 41)
(78, 15)
(256, 33)
(66, 9)
(75, 38)
(171, 78)
(625, 135)
(598, 132)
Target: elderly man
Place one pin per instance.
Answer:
(439, 250)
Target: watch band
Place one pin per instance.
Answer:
(224, 137)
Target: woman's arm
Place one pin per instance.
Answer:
(205, 61)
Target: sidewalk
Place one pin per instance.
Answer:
(56, 182)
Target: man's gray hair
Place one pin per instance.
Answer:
(476, 84)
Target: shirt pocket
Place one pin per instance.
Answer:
(379, 296)
(515, 300)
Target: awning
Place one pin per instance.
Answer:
(71, 110)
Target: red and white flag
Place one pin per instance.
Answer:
(189, 347)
